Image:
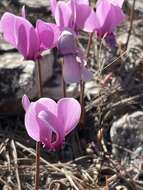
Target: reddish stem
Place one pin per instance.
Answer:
(37, 166)
(38, 143)
(63, 82)
(40, 80)
(82, 84)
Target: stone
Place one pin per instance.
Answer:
(18, 77)
(127, 136)
(138, 6)
(35, 3)
(4, 46)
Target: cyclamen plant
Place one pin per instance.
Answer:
(46, 121)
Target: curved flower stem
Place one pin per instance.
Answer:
(37, 166)
(40, 94)
(89, 44)
(82, 83)
(82, 117)
(131, 22)
(63, 82)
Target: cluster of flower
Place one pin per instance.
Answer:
(46, 121)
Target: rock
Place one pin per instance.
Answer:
(127, 136)
(138, 6)
(4, 46)
(18, 77)
(92, 88)
(35, 3)
(133, 43)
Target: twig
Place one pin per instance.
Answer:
(8, 159)
(71, 181)
(2, 181)
(131, 22)
(119, 168)
(3, 144)
(118, 58)
(59, 182)
(126, 150)
(63, 171)
(126, 100)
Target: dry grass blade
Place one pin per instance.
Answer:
(62, 170)
(71, 181)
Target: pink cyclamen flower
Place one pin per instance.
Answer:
(72, 14)
(107, 17)
(29, 41)
(49, 122)
(74, 66)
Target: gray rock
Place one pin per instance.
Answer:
(138, 6)
(35, 3)
(4, 46)
(127, 136)
(18, 77)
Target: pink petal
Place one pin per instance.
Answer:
(48, 34)
(47, 104)
(69, 110)
(46, 110)
(57, 33)
(71, 69)
(86, 2)
(21, 34)
(35, 126)
(7, 27)
(49, 127)
(117, 2)
(53, 4)
(63, 15)
(31, 123)
(82, 16)
(67, 43)
(27, 39)
(46, 129)
(117, 17)
(22, 41)
(103, 6)
(25, 102)
(106, 24)
(91, 22)
(27, 42)
(33, 45)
